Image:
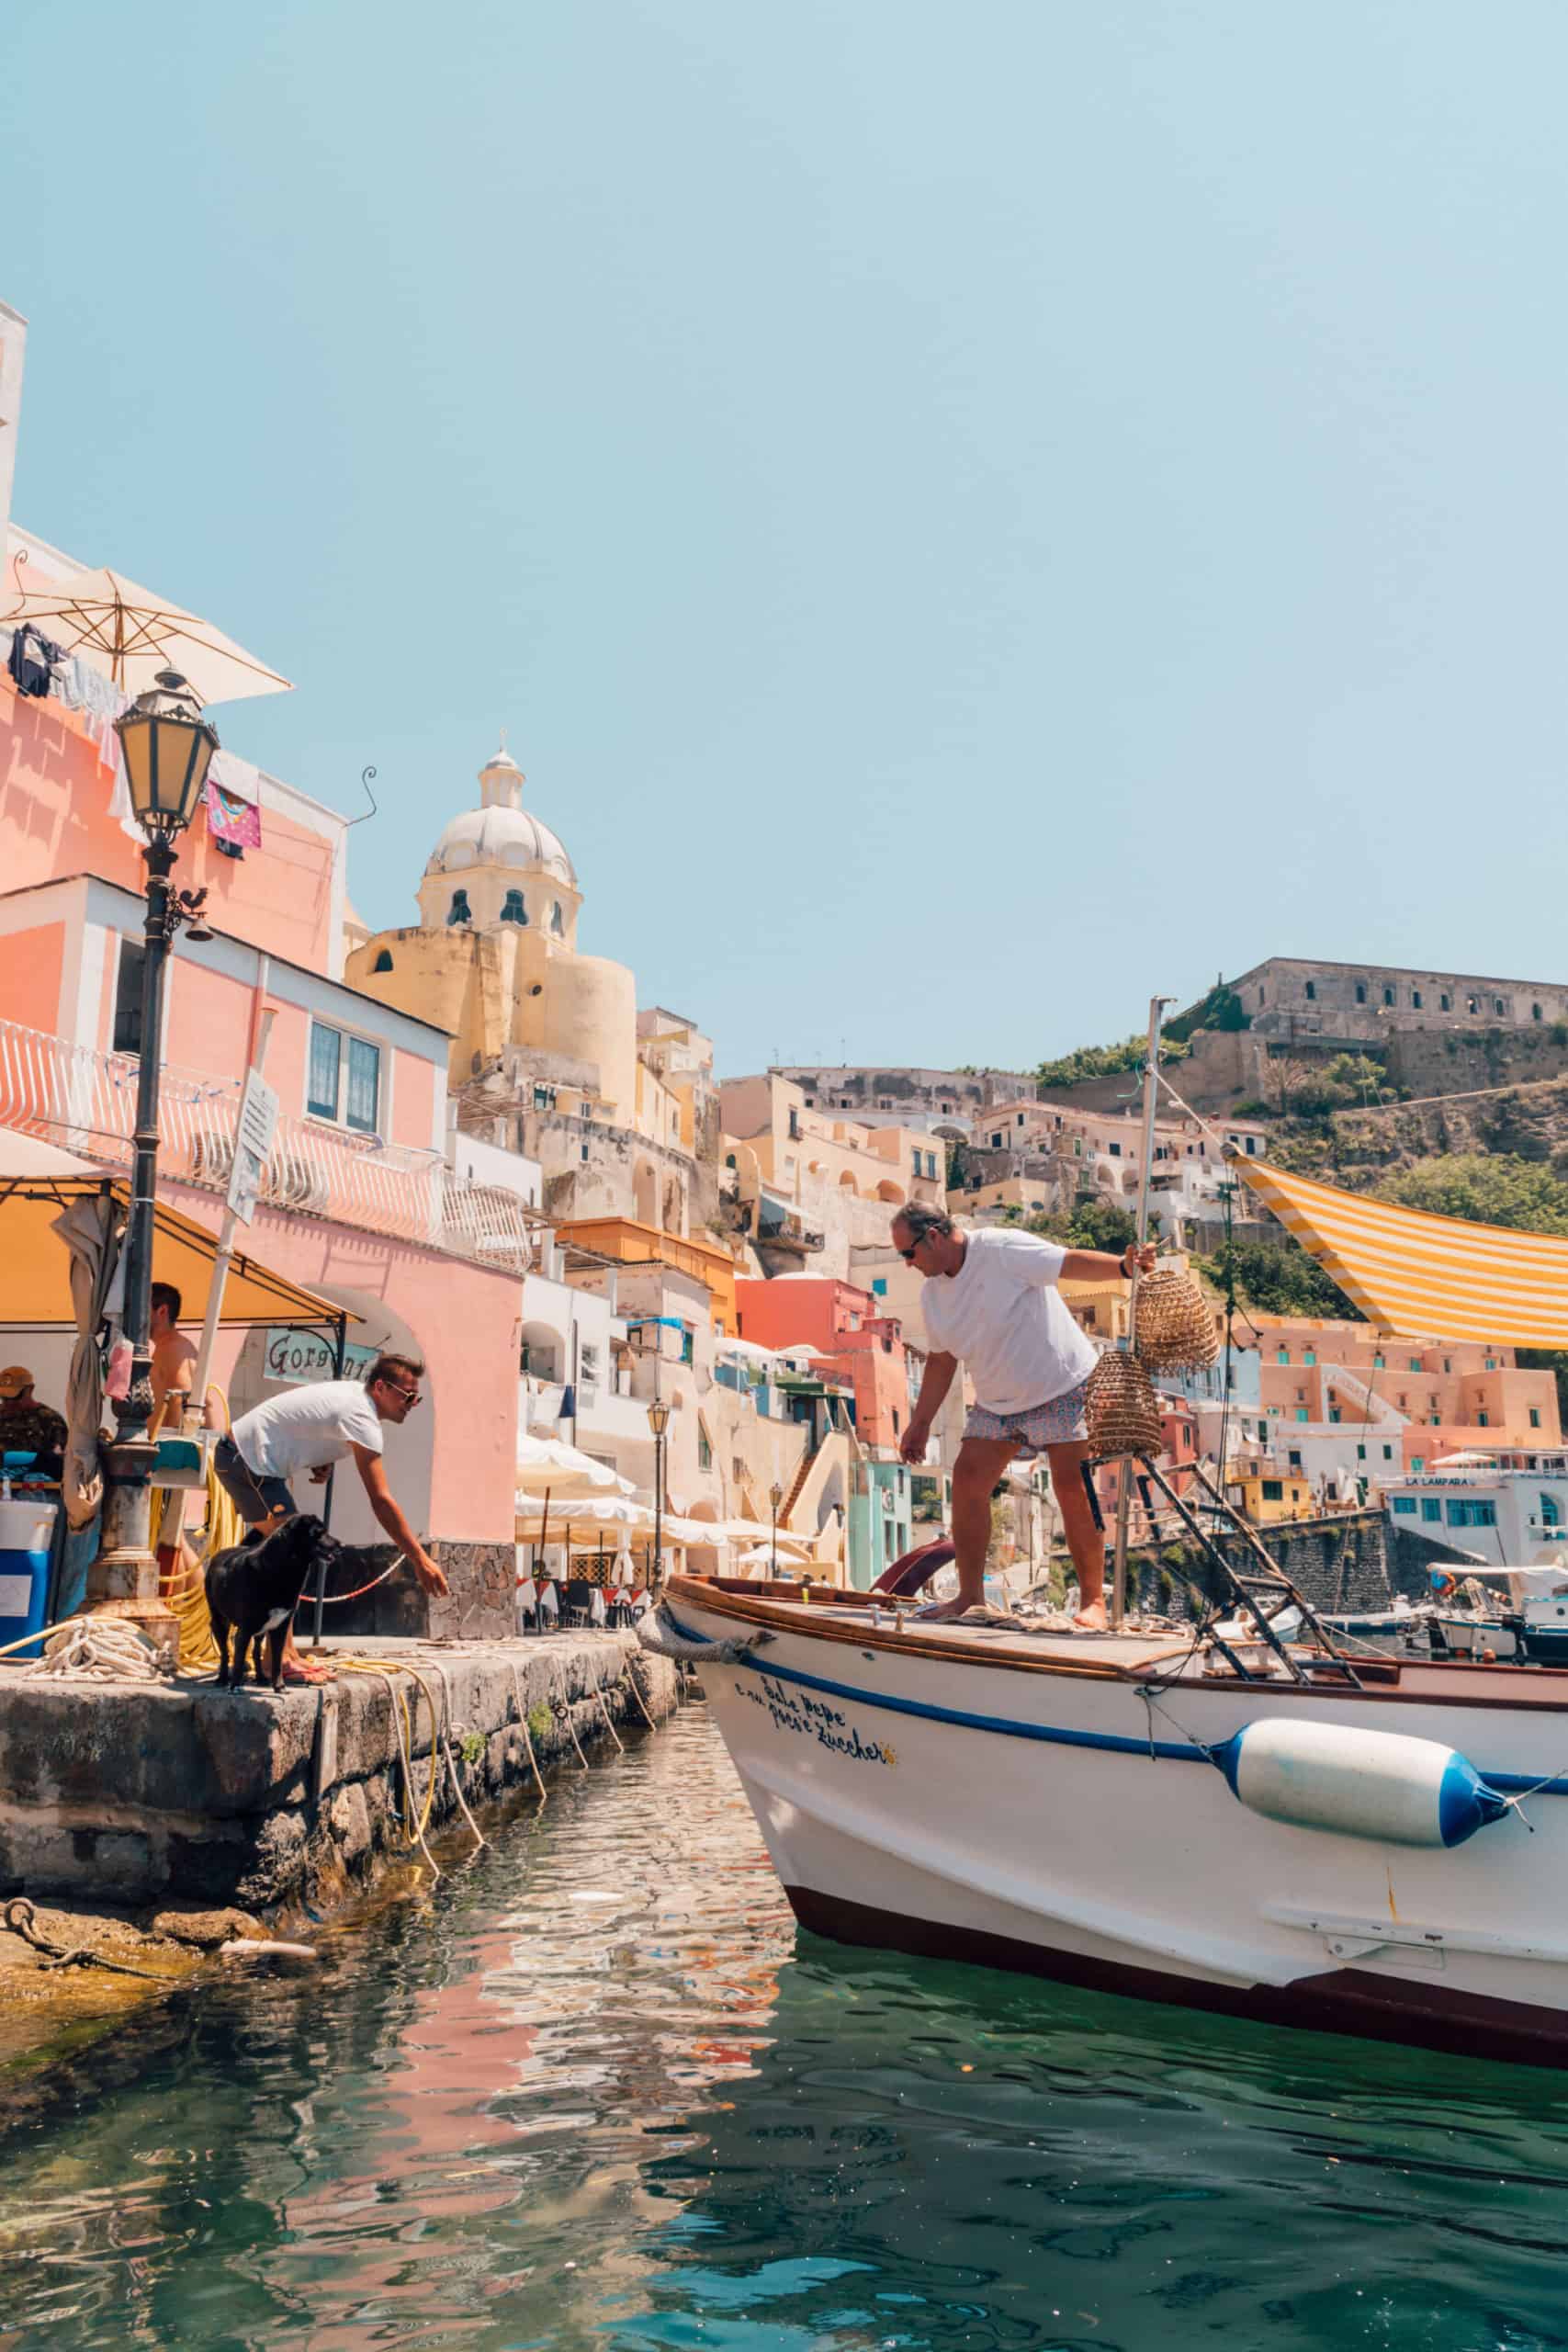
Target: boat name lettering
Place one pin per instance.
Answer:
(797, 1710)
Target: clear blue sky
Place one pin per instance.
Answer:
(968, 516)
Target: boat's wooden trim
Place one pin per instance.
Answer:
(792, 1617)
(1546, 1690)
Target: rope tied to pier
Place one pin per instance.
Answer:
(658, 1632)
(93, 1649)
(22, 1921)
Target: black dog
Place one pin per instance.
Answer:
(252, 1590)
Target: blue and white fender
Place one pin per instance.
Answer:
(1380, 1785)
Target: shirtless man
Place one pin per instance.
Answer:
(172, 1358)
(990, 1299)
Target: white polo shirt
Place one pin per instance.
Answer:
(1003, 1314)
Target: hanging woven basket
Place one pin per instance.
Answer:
(1121, 1409)
(1175, 1327)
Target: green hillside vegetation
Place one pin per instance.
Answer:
(1221, 1009)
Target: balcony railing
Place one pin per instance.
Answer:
(85, 1102)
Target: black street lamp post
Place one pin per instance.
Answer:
(167, 746)
(775, 1496)
(658, 1421)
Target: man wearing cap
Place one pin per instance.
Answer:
(26, 1426)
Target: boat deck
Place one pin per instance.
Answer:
(1141, 1650)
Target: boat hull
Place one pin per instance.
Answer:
(1070, 1825)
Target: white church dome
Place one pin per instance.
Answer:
(501, 832)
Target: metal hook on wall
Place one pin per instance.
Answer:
(367, 776)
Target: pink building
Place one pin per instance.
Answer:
(863, 1346)
(357, 1202)
(1436, 1397)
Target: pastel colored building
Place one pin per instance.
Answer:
(860, 1345)
(549, 1055)
(811, 1185)
(358, 1202)
(1406, 1402)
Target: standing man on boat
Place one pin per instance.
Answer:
(991, 1300)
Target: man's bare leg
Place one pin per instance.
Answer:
(1085, 1541)
(296, 1668)
(981, 1462)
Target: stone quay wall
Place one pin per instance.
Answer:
(133, 1794)
(1342, 1562)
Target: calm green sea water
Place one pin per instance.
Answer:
(594, 2093)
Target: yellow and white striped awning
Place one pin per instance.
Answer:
(1429, 1277)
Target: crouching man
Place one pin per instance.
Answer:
(310, 1428)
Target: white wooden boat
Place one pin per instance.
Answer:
(1142, 1814)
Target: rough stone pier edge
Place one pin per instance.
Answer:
(133, 1794)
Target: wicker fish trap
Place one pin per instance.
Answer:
(1175, 1328)
(1121, 1409)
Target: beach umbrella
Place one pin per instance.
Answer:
(130, 634)
(547, 1465)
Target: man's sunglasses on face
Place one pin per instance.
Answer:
(408, 1395)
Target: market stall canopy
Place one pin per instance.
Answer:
(35, 1265)
(130, 634)
(1421, 1276)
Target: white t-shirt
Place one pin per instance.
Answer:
(1002, 1314)
(306, 1427)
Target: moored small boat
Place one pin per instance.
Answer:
(1154, 1815)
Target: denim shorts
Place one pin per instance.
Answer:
(1058, 1422)
(255, 1497)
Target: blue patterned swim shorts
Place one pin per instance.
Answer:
(1056, 1423)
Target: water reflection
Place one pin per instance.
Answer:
(593, 2093)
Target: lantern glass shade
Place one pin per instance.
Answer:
(659, 1417)
(775, 1496)
(168, 747)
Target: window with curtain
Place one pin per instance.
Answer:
(326, 1062)
(344, 1081)
(363, 1109)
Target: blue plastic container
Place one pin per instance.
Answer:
(27, 1530)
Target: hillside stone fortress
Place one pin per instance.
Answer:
(1294, 1000)
(935, 1102)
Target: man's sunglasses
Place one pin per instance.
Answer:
(408, 1395)
(908, 1255)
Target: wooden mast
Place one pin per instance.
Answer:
(1124, 1472)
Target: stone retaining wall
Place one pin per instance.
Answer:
(1338, 1562)
(132, 1794)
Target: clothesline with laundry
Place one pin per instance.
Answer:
(40, 670)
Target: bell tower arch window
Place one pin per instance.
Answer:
(557, 917)
(459, 911)
(514, 910)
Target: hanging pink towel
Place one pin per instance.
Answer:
(232, 819)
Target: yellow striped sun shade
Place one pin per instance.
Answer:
(1431, 1277)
